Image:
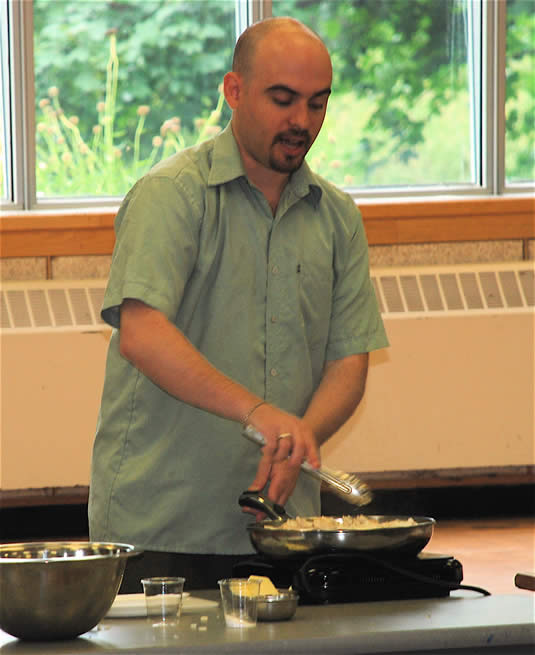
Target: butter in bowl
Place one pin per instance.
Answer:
(274, 604)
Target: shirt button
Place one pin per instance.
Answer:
(275, 270)
(274, 372)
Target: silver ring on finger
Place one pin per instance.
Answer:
(284, 435)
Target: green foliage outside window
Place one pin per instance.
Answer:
(520, 91)
(406, 60)
(402, 66)
(122, 84)
(105, 164)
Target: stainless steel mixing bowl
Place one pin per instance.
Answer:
(58, 590)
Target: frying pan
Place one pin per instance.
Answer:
(270, 538)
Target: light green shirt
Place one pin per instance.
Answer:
(266, 299)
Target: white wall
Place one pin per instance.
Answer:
(51, 387)
(450, 392)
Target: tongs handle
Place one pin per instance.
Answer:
(253, 435)
(254, 500)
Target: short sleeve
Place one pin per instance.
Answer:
(356, 325)
(156, 247)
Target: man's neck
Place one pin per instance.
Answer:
(271, 183)
(271, 187)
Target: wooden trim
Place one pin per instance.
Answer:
(430, 479)
(52, 234)
(401, 480)
(35, 234)
(44, 496)
(474, 219)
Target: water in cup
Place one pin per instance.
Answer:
(163, 598)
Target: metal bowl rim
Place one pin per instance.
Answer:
(128, 551)
(282, 597)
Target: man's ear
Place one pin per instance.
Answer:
(232, 83)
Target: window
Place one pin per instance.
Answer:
(424, 93)
(406, 106)
(146, 85)
(5, 107)
(520, 92)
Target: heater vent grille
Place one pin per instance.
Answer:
(410, 292)
(401, 292)
(47, 305)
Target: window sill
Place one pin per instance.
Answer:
(90, 231)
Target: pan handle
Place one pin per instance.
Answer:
(254, 500)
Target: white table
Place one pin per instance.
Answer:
(464, 622)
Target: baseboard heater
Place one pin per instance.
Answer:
(454, 391)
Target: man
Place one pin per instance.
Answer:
(239, 293)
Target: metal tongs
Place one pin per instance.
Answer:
(345, 485)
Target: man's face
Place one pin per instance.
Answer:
(282, 102)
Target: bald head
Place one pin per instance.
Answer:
(278, 92)
(283, 28)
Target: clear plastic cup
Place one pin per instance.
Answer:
(163, 598)
(239, 598)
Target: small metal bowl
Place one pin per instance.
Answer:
(277, 608)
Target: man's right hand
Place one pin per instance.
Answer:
(289, 442)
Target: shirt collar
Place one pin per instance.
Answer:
(227, 166)
(226, 160)
(303, 183)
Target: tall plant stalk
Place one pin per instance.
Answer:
(112, 78)
(67, 164)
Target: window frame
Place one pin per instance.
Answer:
(6, 113)
(492, 158)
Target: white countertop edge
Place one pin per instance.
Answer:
(436, 625)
